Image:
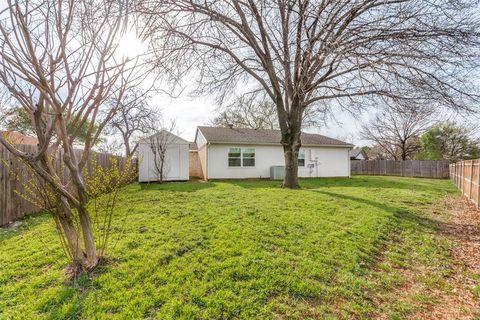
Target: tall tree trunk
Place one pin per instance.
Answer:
(290, 127)
(290, 179)
(126, 141)
(404, 150)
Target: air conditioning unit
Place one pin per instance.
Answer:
(277, 172)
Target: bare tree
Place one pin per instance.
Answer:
(58, 61)
(248, 112)
(112, 146)
(159, 144)
(134, 118)
(397, 130)
(307, 54)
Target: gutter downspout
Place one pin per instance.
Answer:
(349, 164)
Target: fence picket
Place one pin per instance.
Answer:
(471, 178)
(408, 168)
(12, 205)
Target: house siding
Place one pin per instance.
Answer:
(332, 162)
(202, 156)
(195, 164)
(200, 139)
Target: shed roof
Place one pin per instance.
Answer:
(263, 136)
(170, 137)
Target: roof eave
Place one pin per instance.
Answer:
(278, 143)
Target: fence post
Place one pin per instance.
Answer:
(456, 174)
(471, 181)
(478, 184)
(457, 169)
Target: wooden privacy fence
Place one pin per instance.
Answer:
(16, 177)
(404, 168)
(466, 176)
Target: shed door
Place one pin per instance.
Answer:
(172, 163)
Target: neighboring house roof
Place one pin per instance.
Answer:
(263, 136)
(355, 152)
(192, 146)
(171, 138)
(15, 137)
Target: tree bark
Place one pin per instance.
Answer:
(86, 226)
(290, 128)
(88, 238)
(64, 216)
(291, 166)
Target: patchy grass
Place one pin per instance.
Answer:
(338, 248)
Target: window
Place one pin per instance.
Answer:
(248, 157)
(241, 157)
(301, 158)
(234, 157)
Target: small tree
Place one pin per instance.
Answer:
(397, 130)
(58, 62)
(159, 144)
(449, 141)
(134, 118)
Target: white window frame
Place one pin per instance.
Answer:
(242, 149)
(228, 157)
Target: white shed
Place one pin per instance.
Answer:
(176, 166)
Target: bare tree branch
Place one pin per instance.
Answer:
(322, 54)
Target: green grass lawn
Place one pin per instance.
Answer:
(226, 250)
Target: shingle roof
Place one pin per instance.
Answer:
(172, 138)
(192, 146)
(263, 136)
(355, 152)
(19, 138)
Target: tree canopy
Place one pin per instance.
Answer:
(19, 119)
(449, 141)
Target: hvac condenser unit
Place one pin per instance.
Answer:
(277, 172)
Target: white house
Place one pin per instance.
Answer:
(176, 163)
(233, 153)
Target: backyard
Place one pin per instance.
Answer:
(366, 247)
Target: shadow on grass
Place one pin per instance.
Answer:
(23, 224)
(370, 182)
(75, 289)
(398, 212)
(191, 186)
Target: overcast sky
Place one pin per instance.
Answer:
(192, 112)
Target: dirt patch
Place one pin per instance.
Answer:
(462, 225)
